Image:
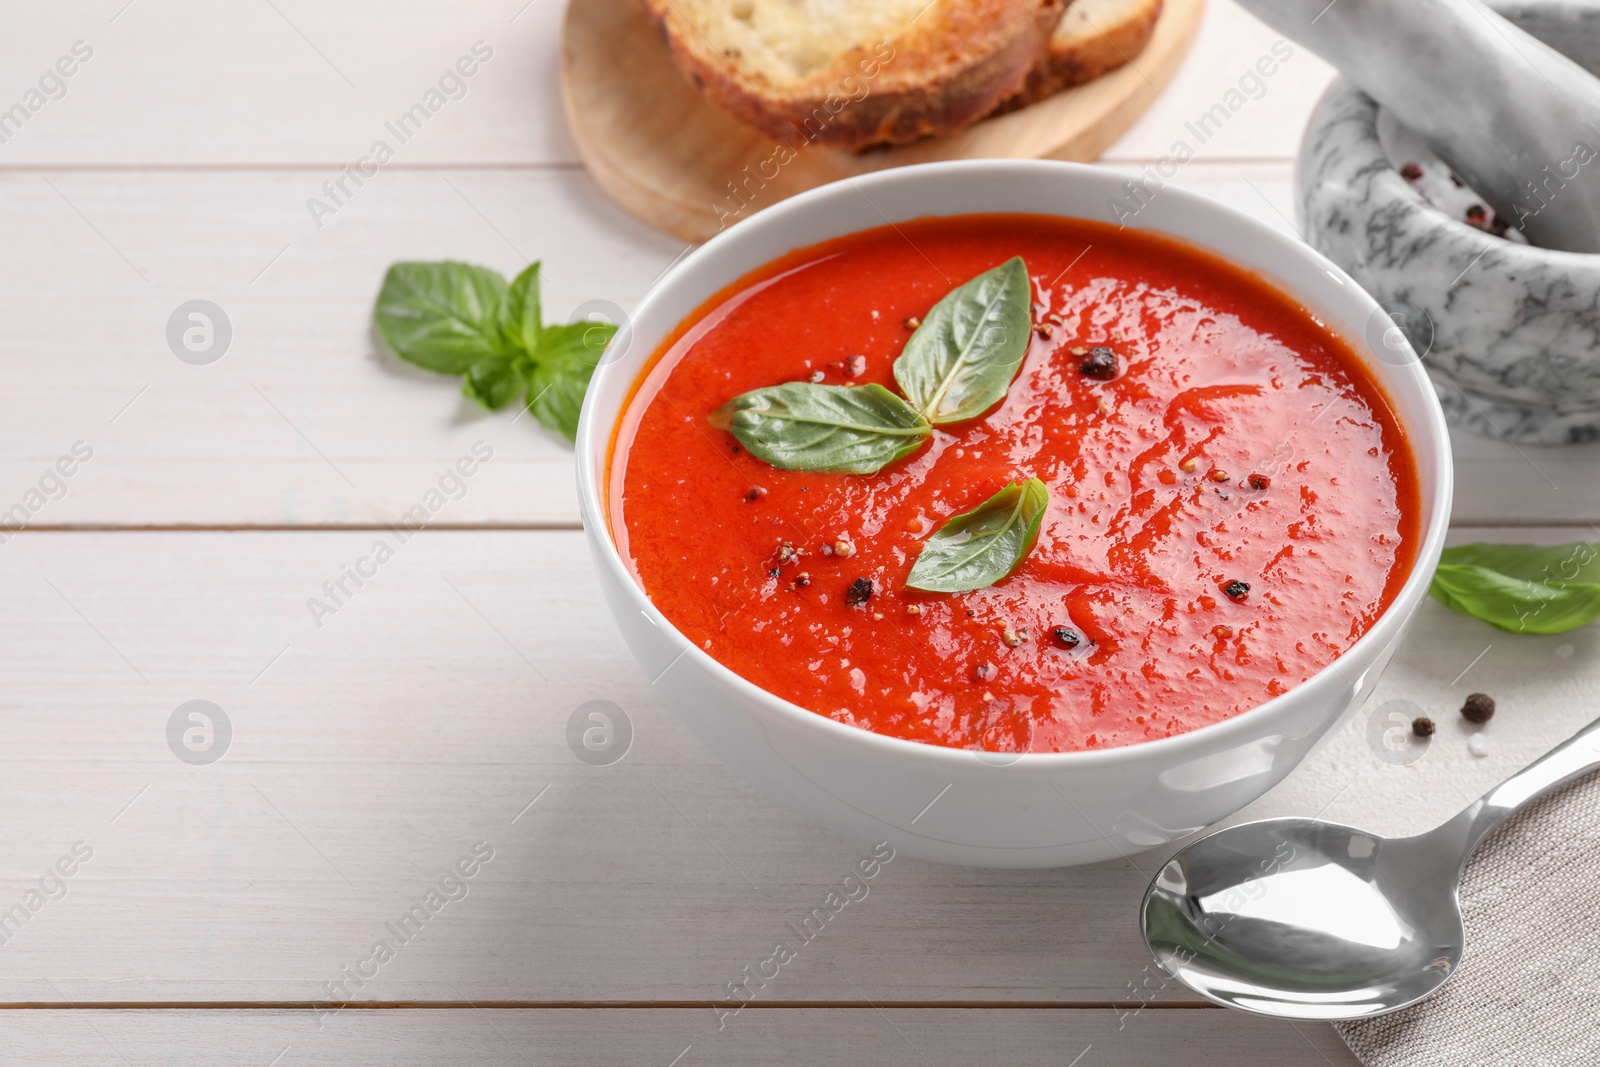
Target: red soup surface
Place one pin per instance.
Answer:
(1241, 440)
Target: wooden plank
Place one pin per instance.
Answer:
(182, 82)
(302, 421)
(430, 712)
(295, 82)
(380, 747)
(1498, 482)
(683, 1037)
(1243, 93)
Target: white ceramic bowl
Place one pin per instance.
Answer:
(952, 805)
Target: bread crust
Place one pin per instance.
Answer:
(1074, 59)
(955, 65)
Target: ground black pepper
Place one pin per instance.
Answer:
(1422, 726)
(859, 593)
(1236, 590)
(1260, 481)
(755, 493)
(1066, 637)
(1411, 172)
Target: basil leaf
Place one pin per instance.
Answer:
(1534, 589)
(556, 400)
(493, 382)
(962, 358)
(980, 547)
(442, 316)
(563, 363)
(854, 429)
(520, 321)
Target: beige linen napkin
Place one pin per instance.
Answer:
(1527, 993)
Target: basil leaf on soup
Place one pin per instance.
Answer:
(564, 360)
(854, 429)
(1532, 589)
(962, 358)
(978, 548)
(442, 316)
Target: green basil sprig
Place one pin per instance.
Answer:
(1533, 589)
(957, 365)
(456, 318)
(857, 429)
(980, 547)
(962, 358)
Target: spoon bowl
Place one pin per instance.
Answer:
(1305, 919)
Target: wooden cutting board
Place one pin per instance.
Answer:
(663, 153)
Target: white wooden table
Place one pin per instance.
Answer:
(222, 901)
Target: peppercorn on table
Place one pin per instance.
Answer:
(297, 642)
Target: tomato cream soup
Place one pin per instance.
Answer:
(1231, 500)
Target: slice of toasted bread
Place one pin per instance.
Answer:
(1092, 38)
(857, 73)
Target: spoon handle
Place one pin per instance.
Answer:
(1575, 757)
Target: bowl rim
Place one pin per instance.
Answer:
(1430, 445)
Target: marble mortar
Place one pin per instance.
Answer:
(1510, 334)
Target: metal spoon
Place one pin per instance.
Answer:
(1511, 115)
(1304, 919)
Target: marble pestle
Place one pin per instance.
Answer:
(1518, 121)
